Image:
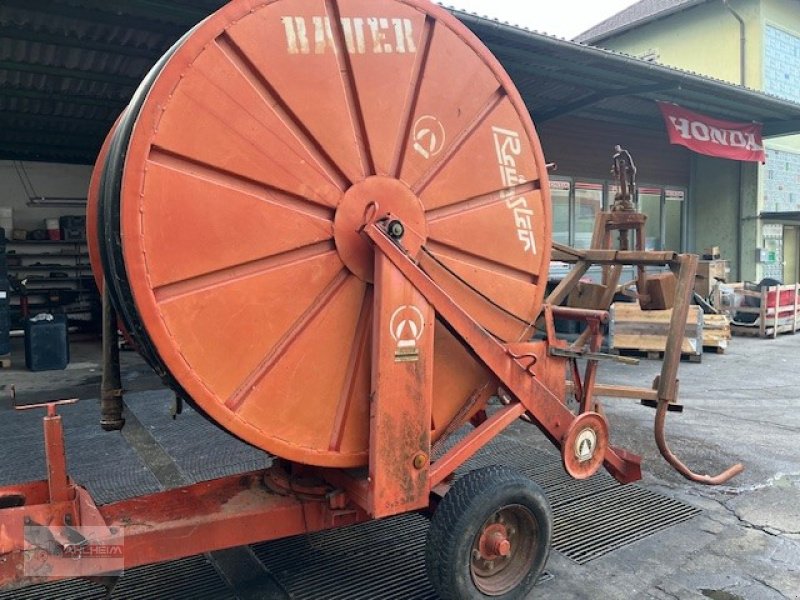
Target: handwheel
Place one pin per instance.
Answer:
(489, 537)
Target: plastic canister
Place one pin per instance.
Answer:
(53, 229)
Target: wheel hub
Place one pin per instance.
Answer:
(494, 542)
(503, 550)
(387, 196)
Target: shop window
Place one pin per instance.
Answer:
(588, 204)
(673, 219)
(560, 192)
(650, 205)
(576, 204)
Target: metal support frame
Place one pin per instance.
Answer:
(290, 499)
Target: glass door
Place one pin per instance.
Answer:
(650, 205)
(588, 204)
(791, 248)
(772, 265)
(559, 194)
(673, 219)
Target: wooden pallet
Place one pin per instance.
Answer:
(5, 361)
(645, 331)
(655, 354)
(716, 333)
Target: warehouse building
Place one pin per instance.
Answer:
(757, 44)
(325, 380)
(68, 69)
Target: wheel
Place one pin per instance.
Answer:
(489, 537)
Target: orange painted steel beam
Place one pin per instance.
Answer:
(543, 401)
(202, 517)
(473, 442)
(402, 388)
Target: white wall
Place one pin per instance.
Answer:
(47, 179)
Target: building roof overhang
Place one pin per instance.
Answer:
(68, 67)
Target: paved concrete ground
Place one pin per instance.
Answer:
(741, 406)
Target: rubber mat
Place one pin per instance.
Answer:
(200, 449)
(102, 462)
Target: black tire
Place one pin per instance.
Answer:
(486, 498)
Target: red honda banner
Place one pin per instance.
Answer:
(724, 139)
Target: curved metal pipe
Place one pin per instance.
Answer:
(675, 462)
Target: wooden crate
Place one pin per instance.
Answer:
(632, 328)
(716, 332)
(779, 310)
(708, 271)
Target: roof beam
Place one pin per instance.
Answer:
(779, 128)
(593, 99)
(589, 68)
(128, 82)
(61, 122)
(612, 116)
(180, 13)
(37, 146)
(29, 156)
(67, 40)
(542, 75)
(10, 153)
(103, 17)
(57, 97)
(20, 134)
(725, 108)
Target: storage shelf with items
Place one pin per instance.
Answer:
(52, 276)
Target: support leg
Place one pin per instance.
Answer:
(667, 385)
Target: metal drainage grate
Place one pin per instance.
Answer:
(585, 530)
(386, 559)
(382, 559)
(200, 449)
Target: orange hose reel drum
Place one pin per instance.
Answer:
(93, 210)
(249, 165)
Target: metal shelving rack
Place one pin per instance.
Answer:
(32, 269)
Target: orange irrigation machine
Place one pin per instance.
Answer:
(326, 225)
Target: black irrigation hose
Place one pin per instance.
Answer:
(109, 226)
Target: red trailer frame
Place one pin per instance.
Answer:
(290, 498)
